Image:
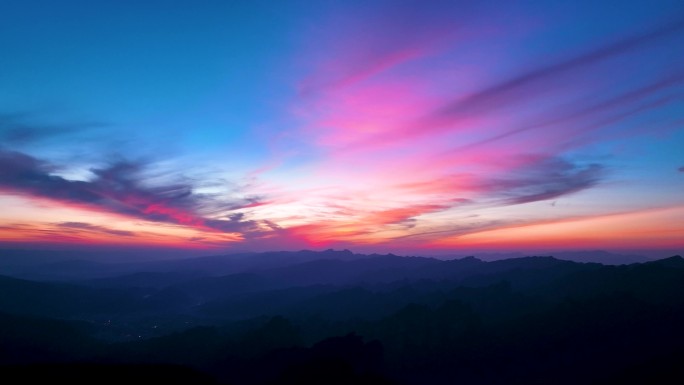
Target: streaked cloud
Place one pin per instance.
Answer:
(121, 188)
(95, 228)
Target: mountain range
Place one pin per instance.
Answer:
(377, 318)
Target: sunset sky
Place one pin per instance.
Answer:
(388, 126)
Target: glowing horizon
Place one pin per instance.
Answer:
(370, 126)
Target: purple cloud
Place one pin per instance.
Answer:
(120, 188)
(549, 178)
(95, 228)
(510, 91)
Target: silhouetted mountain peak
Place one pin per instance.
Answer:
(600, 256)
(675, 261)
(533, 262)
(468, 260)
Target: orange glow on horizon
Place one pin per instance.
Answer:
(617, 231)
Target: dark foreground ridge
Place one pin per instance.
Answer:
(335, 317)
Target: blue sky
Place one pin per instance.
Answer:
(371, 125)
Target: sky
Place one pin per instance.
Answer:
(385, 126)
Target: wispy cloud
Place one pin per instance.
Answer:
(122, 188)
(532, 82)
(537, 88)
(23, 128)
(95, 228)
(368, 44)
(547, 179)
